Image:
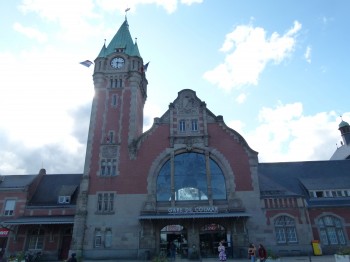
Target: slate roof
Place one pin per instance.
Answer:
(342, 152)
(42, 220)
(53, 186)
(15, 181)
(296, 178)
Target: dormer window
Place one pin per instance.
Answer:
(65, 194)
(64, 199)
(119, 50)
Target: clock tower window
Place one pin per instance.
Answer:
(116, 83)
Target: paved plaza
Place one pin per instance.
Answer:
(282, 259)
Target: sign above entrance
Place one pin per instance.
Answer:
(193, 210)
(4, 232)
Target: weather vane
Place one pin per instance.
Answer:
(126, 11)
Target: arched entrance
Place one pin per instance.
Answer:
(176, 234)
(209, 237)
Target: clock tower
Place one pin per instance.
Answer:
(116, 121)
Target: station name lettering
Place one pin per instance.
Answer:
(186, 210)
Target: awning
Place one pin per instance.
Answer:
(193, 216)
(40, 220)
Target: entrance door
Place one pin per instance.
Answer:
(66, 241)
(3, 242)
(209, 238)
(176, 234)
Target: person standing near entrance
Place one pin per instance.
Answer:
(172, 251)
(251, 252)
(262, 253)
(222, 253)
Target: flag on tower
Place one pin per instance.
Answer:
(145, 67)
(126, 10)
(86, 63)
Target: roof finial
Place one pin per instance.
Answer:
(135, 40)
(126, 11)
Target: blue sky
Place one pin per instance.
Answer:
(276, 70)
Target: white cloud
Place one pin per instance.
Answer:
(307, 54)
(169, 5)
(284, 133)
(36, 103)
(76, 18)
(30, 32)
(248, 51)
(190, 2)
(241, 98)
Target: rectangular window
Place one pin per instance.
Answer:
(111, 137)
(36, 242)
(291, 235)
(182, 126)
(108, 167)
(36, 239)
(103, 168)
(319, 193)
(324, 238)
(105, 202)
(108, 238)
(194, 124)
(114, 100)
(9, 207)
(341, 236)
(98, 239)
(332, 235)
(64, 199)
(280, 235)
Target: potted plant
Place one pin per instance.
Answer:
(162, 257)
(272, 257)
(342, 255)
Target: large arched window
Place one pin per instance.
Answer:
(331, 231)
(190, 179)
(285, 230)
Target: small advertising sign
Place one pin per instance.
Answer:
(4, 232)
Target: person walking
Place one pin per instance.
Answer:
(172, 251)
(251, 252)
(262, 253)
(222, 253)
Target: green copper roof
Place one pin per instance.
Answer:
(343, 124)
(122, 39)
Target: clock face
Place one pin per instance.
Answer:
(117, 62)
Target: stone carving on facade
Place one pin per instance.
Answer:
(187, 104)
(109, 151)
